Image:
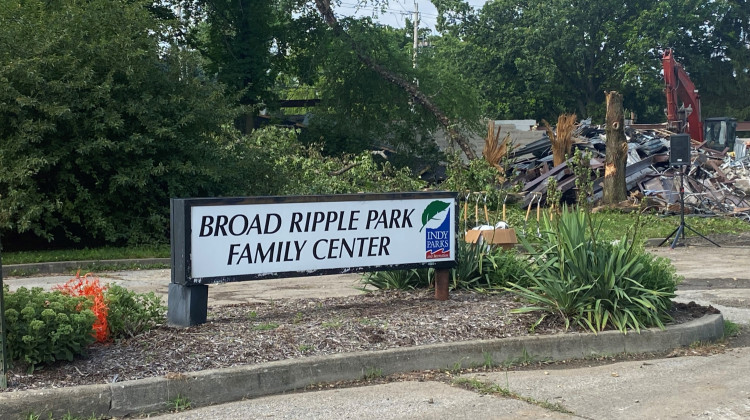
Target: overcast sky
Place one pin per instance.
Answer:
(398, 11)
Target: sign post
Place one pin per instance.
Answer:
(219, 240)
(3, 332)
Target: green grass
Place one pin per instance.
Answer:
(730, 329)
(654, 226)
(494, 389)
(107, 253)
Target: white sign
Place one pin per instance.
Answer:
(264, 239)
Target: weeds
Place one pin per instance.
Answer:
(179, 403)
(266, 326)
(494, 389)
(524, 359)
(730, 329)
(373, 373)
(488, 362)
(336, 323)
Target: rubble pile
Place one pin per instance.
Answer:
(715, 183)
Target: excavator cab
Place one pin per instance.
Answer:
(720, 133)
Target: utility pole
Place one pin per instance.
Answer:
(416, 35)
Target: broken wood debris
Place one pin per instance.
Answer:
(716, 182)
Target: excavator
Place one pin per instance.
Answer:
(718, 132)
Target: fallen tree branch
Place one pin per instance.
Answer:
(344, 169)
(324, 8)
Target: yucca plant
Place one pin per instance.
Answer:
(593, 284)
(397, 279)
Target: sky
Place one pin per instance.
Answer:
(397, 11)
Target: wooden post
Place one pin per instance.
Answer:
(442, 281)
(614, 189)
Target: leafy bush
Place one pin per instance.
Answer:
(102, 121)
(591, 283)
(132, 313)
(46, 326)
(285, 166)
(502, 267)
(658, 273)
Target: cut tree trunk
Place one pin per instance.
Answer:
(324, 8)
(613, 189)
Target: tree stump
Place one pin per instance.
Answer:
(614, 189)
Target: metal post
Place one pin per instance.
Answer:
(3, 334)
(416, 35)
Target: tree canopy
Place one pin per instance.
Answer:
(539, 59)
(101, 121)
(110, 107)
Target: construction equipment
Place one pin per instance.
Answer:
(718, 133)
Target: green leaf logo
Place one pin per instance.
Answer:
(432, 210)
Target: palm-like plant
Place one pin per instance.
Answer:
(590, 283)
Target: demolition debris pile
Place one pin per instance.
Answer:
(716, 182)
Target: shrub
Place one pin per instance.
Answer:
(502, 267)
(478, 268)
(658, 273)
(486, 269)
(43, 327)
(591, 283)
(132, 313)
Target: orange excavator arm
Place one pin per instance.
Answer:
(685, 118)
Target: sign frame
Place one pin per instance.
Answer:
(188, 295)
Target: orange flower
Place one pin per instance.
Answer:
(89, 286)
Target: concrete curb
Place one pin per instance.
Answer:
(64, 267)
(233, 384)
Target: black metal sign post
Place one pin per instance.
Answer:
(3, 334)
(220, 240)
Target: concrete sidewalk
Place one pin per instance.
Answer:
(675, 388)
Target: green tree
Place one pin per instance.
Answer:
(238, 38)
(710, 39)
(372, 96)
(101, 122)
(539, 59)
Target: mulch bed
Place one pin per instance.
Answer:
(255, 333)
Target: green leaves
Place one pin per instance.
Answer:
(432, 210)
(594, 284)
(50, 326)
(102, 120)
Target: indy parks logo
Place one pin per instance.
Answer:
(437, 240)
